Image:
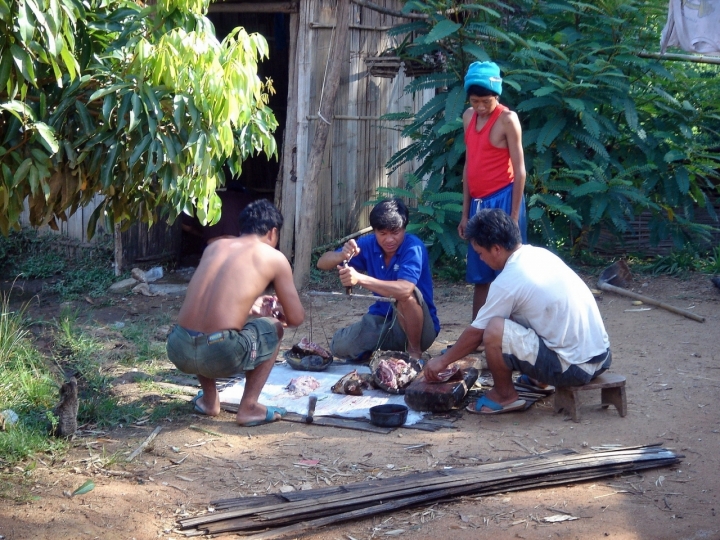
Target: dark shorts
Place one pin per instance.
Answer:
(524, 351)
(224, 353)
(373, 332)
(477, 271)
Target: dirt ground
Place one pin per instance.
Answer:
(672, 365)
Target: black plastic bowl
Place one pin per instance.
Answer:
(310, 362)
(388, 415)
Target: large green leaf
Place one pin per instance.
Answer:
(441, 30)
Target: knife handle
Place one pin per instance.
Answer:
(348, 290)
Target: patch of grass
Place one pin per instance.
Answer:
(29, 254)
(173, 408)
(78, 271)
(677, 263)
(147, 350)
(27, 387)
(79, 353)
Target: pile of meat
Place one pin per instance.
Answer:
(306, 347)
(395, 373)
(302, 386)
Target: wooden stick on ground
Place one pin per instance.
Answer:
(144, 444)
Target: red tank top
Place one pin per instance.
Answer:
(489, 168)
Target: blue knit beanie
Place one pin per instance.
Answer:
(485, 74)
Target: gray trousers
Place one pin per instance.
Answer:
(373, 332)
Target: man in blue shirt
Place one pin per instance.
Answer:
(395, 265)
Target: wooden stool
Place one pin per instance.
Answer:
(612, 388)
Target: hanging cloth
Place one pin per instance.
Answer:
(694, 26)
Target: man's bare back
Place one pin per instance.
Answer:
(232, 274)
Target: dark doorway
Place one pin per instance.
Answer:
(260, 174)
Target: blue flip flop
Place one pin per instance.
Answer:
(496, 408)
(195, 405)
(526, 383)
(269, 417)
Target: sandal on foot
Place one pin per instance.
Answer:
(269, 417)
(526, 383)
(195, 405)
(496, 408)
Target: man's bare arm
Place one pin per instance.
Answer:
(331, 259)
(400, 289)
(468, 341)
(286, 292)
(513, 134)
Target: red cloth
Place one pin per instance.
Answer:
(489, 168)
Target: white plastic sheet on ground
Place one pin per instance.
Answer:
(274, 393)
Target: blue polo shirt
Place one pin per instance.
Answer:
(410, 263)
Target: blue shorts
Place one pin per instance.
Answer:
(224, 353)
(477, 271)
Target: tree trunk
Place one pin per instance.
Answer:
(308, 220)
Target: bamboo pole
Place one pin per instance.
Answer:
(325, 247)
(257, 7)
(388, 11)
(307, 223)
(698, 59)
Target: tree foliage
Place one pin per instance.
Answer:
(607, 134)
(141, 105)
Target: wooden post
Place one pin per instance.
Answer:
(285, 187)
(308, 220)
(119, 263)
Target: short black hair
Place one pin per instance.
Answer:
(491, 227)
(260, 217)
(389, 215)
(480, 91)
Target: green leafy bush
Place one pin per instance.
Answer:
(607, 133)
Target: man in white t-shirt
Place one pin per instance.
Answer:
(540, 318)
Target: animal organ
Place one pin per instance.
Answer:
(353, 383)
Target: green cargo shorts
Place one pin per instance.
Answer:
(224, 353)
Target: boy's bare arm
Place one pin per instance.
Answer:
(513, 134)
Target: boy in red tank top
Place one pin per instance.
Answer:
(494, 172)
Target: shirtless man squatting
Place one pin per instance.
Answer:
(214, 338)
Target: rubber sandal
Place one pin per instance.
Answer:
(195, 405)
(269, 417)
(525, 382)
(496, 408)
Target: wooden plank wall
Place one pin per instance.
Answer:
(141, 245)
(76, 225)
(360, 143)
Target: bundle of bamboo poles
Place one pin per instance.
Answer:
(279, 515)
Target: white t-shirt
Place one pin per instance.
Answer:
(538, 290)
